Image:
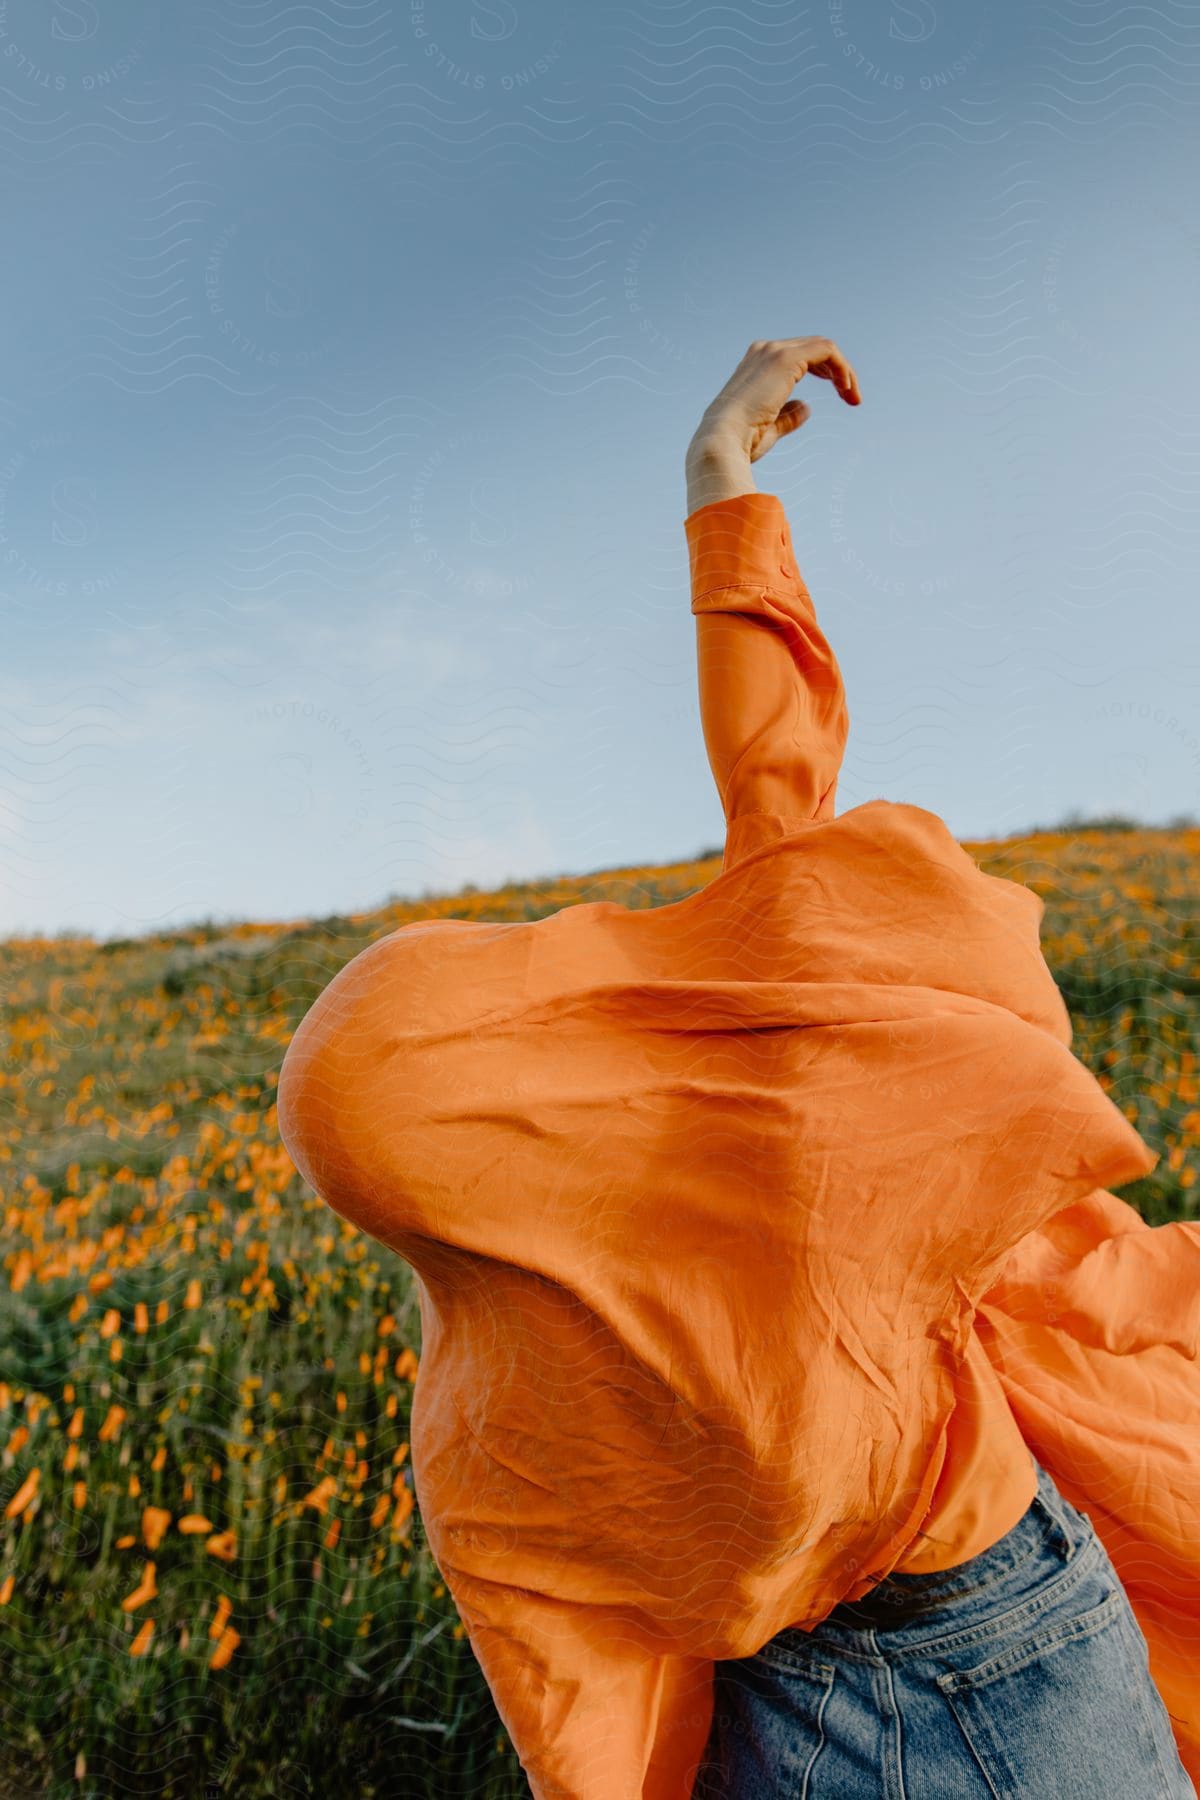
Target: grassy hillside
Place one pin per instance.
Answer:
(212, 1575)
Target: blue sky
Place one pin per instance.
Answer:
(353, 351)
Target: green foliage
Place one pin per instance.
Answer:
(144, 1159)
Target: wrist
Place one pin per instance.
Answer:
(716, 468)
(715, 441)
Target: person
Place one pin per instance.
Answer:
(792, 1386)
(1017, 1669)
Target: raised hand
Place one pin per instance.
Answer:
(752, 411)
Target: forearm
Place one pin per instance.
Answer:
(717, 469)
(772, 702)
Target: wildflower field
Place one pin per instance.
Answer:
(213, 1578)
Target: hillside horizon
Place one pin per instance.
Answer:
(1074, 823)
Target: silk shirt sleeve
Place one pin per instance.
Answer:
(772, 702)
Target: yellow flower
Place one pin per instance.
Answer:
(113, 1420)
(155, 1520)
(146, 1590)
(229, 1641)
(23, 1495)
(320, 1496)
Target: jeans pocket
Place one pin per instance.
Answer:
(1156, 1710)
(1061, 1712)
(768, 1729)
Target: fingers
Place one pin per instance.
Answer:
(792, 416)
(823, 358)
(817, 356)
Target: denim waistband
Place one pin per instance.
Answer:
(1049, 1525)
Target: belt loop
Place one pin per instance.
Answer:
(1061, 1536)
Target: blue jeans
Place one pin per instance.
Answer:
(1021, 1674)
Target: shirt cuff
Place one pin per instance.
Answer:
(742, 542)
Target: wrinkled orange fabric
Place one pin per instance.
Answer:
(987, 1479)
(704, 1202)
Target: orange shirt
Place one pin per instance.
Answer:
(988, 1477)
(706, 1203)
